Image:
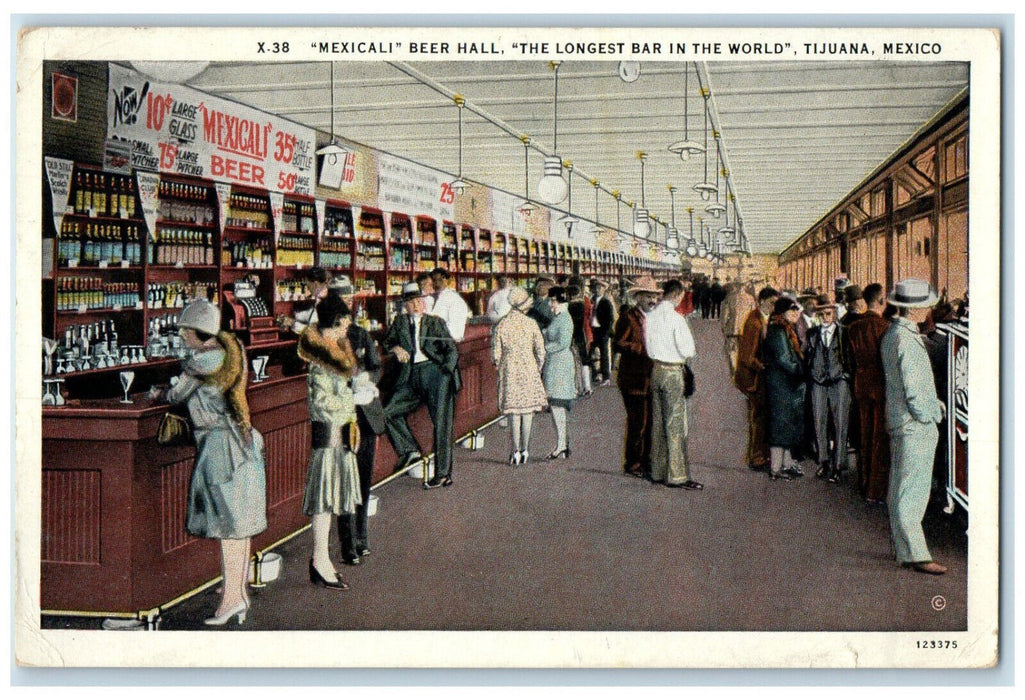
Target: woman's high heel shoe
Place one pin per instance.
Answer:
(241, 609)
(557, 454)
(317, 579)
(524, 456)
(515, 458)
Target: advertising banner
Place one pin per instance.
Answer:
(413, 189)
(175, 129)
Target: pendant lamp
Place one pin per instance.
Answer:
(692, 248)
(705, 188)
(569, 220)
(552, 188)
(527, 208)
(686, 148)
(457, 185)
(333, 150)
(642, 223)
(672, 235)
(716, 208)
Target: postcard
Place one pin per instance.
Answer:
(508, 347)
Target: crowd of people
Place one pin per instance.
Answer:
(850, 381)
(841, 380)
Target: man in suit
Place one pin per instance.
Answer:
(634, 377)
(429, 375)
(865, 336)
(829, 376)
(748, 379)
(912, 411)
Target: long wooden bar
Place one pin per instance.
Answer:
(114, 501)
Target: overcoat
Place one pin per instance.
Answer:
(785, 387)
(634, 375)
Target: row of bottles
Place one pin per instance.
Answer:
(91, 346)
(400, 258)
(298, 216)
(400, 232)
(87, 244)
(295, 250)
(338, 222)
(248, 211)
(291, 290)
(182, 246)
(89, 293)
(165, 295)
(335, 253)
(426, 233)
(185, 203)
(247, 254)
(162, 339)
(370, 257)
(103, 194)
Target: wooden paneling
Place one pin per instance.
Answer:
(71, 516)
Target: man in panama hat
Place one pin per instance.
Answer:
(912, 412)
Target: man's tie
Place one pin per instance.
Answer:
(412, 334)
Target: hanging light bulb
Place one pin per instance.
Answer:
(527, 208)
(569, 220)
(716, 208)
(642, 223)
(457, 185)
(705, 188)
(702, 250)
(333, 150)
(692, 248)
(672, 235)
(552, 187)
(727, 231)
(686, 148)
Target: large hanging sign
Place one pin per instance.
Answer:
(413, 189)
(175, 129)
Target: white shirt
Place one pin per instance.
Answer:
(667, 337)
(419, 355)
(827, 333)
(498, 305)
(451, 308)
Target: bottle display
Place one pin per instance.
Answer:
(92, 293)
(295, 250)
(335, 253)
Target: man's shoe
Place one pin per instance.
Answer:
(352, 560)
(794, 472)
(690, 485)
(764, 466)
(438, 481)
(784, 475)
(929, 567)
(410, 459)
(823, 472)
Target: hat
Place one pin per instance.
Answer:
(841, 283)
(598, 284)
(518, 298)
(341, 284)
(852, 293)
(808, 293)
(410, 291)
(441, 271)
(822, 302)
(912, 294)
(201, 316)
(644, 284)
(784, 304)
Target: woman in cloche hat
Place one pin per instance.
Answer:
(227, 492)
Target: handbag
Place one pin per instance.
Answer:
(688, 382)
(175, 429)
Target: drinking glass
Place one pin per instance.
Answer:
(126, 381)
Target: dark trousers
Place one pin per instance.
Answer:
(874, 458)
(604, 344)
(637, 442)
(429, 385)
(757, 428)
(352, 529)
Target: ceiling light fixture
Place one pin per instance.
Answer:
(629, 71)
(333, 150)
(527, 208)
(705, 188)
(672, 235)
(716, 208)
(568, 220)
(552, 188)
(702, 250)
(642, 223)
(457, 185)
(686, 148)
(692, 248)
(597, 224)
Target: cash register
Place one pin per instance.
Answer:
(249, 312)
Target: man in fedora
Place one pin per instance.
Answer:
(429, 375)
(748, 378)
(829, 373)
(912, 412)
(634, 376)
(808, 299)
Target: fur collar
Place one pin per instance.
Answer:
(231, 378)
(335, 356)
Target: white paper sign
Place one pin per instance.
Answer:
(147, 183)
(413, 189)
(175, 129)
(58, 172)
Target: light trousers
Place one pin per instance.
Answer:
(668, 425)
(912, 447)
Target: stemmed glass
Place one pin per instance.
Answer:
(259, 365)
(126, 381)
(48, 398)
(49, 348)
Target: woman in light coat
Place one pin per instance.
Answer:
(559, 372)
(518, 350)
(332, 481)
(227, 492)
